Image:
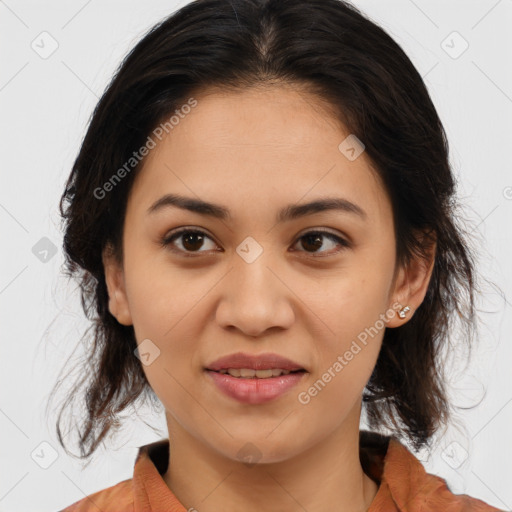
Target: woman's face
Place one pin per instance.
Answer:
(252, 282)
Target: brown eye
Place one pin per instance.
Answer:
(315, 240)
(191, 241)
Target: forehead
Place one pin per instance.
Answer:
(258, 147)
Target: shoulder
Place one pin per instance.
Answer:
(112, 499)
(413, 489)
(146, 490)
(438, 496)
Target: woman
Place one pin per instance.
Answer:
(261, 216)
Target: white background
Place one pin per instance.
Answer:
(45, 106)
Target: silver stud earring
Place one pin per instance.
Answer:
(403, 311)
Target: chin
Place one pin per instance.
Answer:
(260, 449)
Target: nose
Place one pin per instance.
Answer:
(255, 298)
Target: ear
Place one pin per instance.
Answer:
(114, 278)
(411, 283)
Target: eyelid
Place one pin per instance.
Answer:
(342, 240)
(167, 239)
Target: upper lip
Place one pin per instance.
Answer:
(255, 362)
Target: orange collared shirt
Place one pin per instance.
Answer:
(404, 485)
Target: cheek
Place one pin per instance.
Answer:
(159, 293)
(353, 309)
(346, 360)
(159, 317)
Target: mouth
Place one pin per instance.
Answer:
(244, 365)
(251, 373)
(255, 378)
(254, 387)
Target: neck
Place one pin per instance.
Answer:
(204, 480)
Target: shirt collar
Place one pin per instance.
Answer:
(404, 485)
(151, 491)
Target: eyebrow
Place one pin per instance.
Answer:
(288, 213)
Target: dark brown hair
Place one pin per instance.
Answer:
(336, 52)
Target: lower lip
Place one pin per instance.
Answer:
(255, 391)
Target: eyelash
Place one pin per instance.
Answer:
(169, 239)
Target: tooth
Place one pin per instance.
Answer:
(249, 373)
(264, 374)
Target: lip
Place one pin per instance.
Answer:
(255, 362)
(254, 391)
